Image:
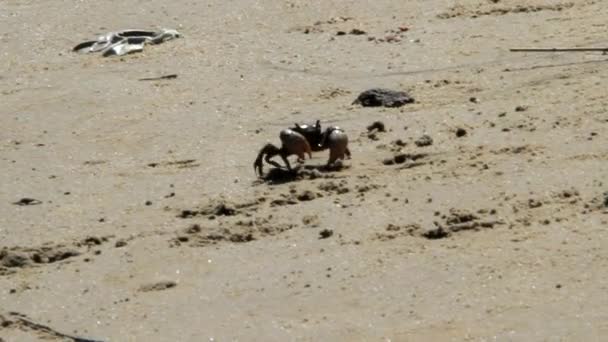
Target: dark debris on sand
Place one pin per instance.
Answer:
(281, 176)
(380, 97)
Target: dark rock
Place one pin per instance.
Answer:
(224, 209)
(401, 158)
(92, 241)
(521, 108)
(162, 285)
(120, 243)
(377, 97)
(310, 220)
(357, 32)
(13, 259)
(532, 203)
(424, 140)
(280, 202)
(307, 195)
(376, 126)
(325, 233)
(188, 213)
(437, 233)
(4, 322)
(399, 143)
(53, 255)
(193, 229)
(27, 201)
(461, 132)
(457, 217)
(241, 238)
(388, 161)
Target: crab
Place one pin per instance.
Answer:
(333, 138)
(292, 143)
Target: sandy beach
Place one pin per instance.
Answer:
(130, 210)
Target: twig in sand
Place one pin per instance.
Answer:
(165, 77)
(20, 319)
(604, 50)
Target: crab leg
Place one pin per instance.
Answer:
(286, 161)
(274, 163)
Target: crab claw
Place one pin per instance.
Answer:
(268, 151)
(257, 167)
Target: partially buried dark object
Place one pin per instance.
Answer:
(27, 201)
(378, 97)
(325, 233)
(376, 126)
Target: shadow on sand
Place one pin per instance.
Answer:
(301, 172)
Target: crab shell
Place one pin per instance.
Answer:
(294, 143)
(337, 142)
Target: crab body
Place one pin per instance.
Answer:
(333, 138)
(312, 133)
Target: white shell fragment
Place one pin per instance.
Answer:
(127, 41)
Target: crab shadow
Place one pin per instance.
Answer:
(301, 172)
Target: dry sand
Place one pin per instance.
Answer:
(149, 223)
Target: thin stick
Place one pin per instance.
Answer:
(165, 77)
(558, 49)
(49, 331)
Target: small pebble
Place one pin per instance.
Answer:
(325, 233)
(521, 108)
